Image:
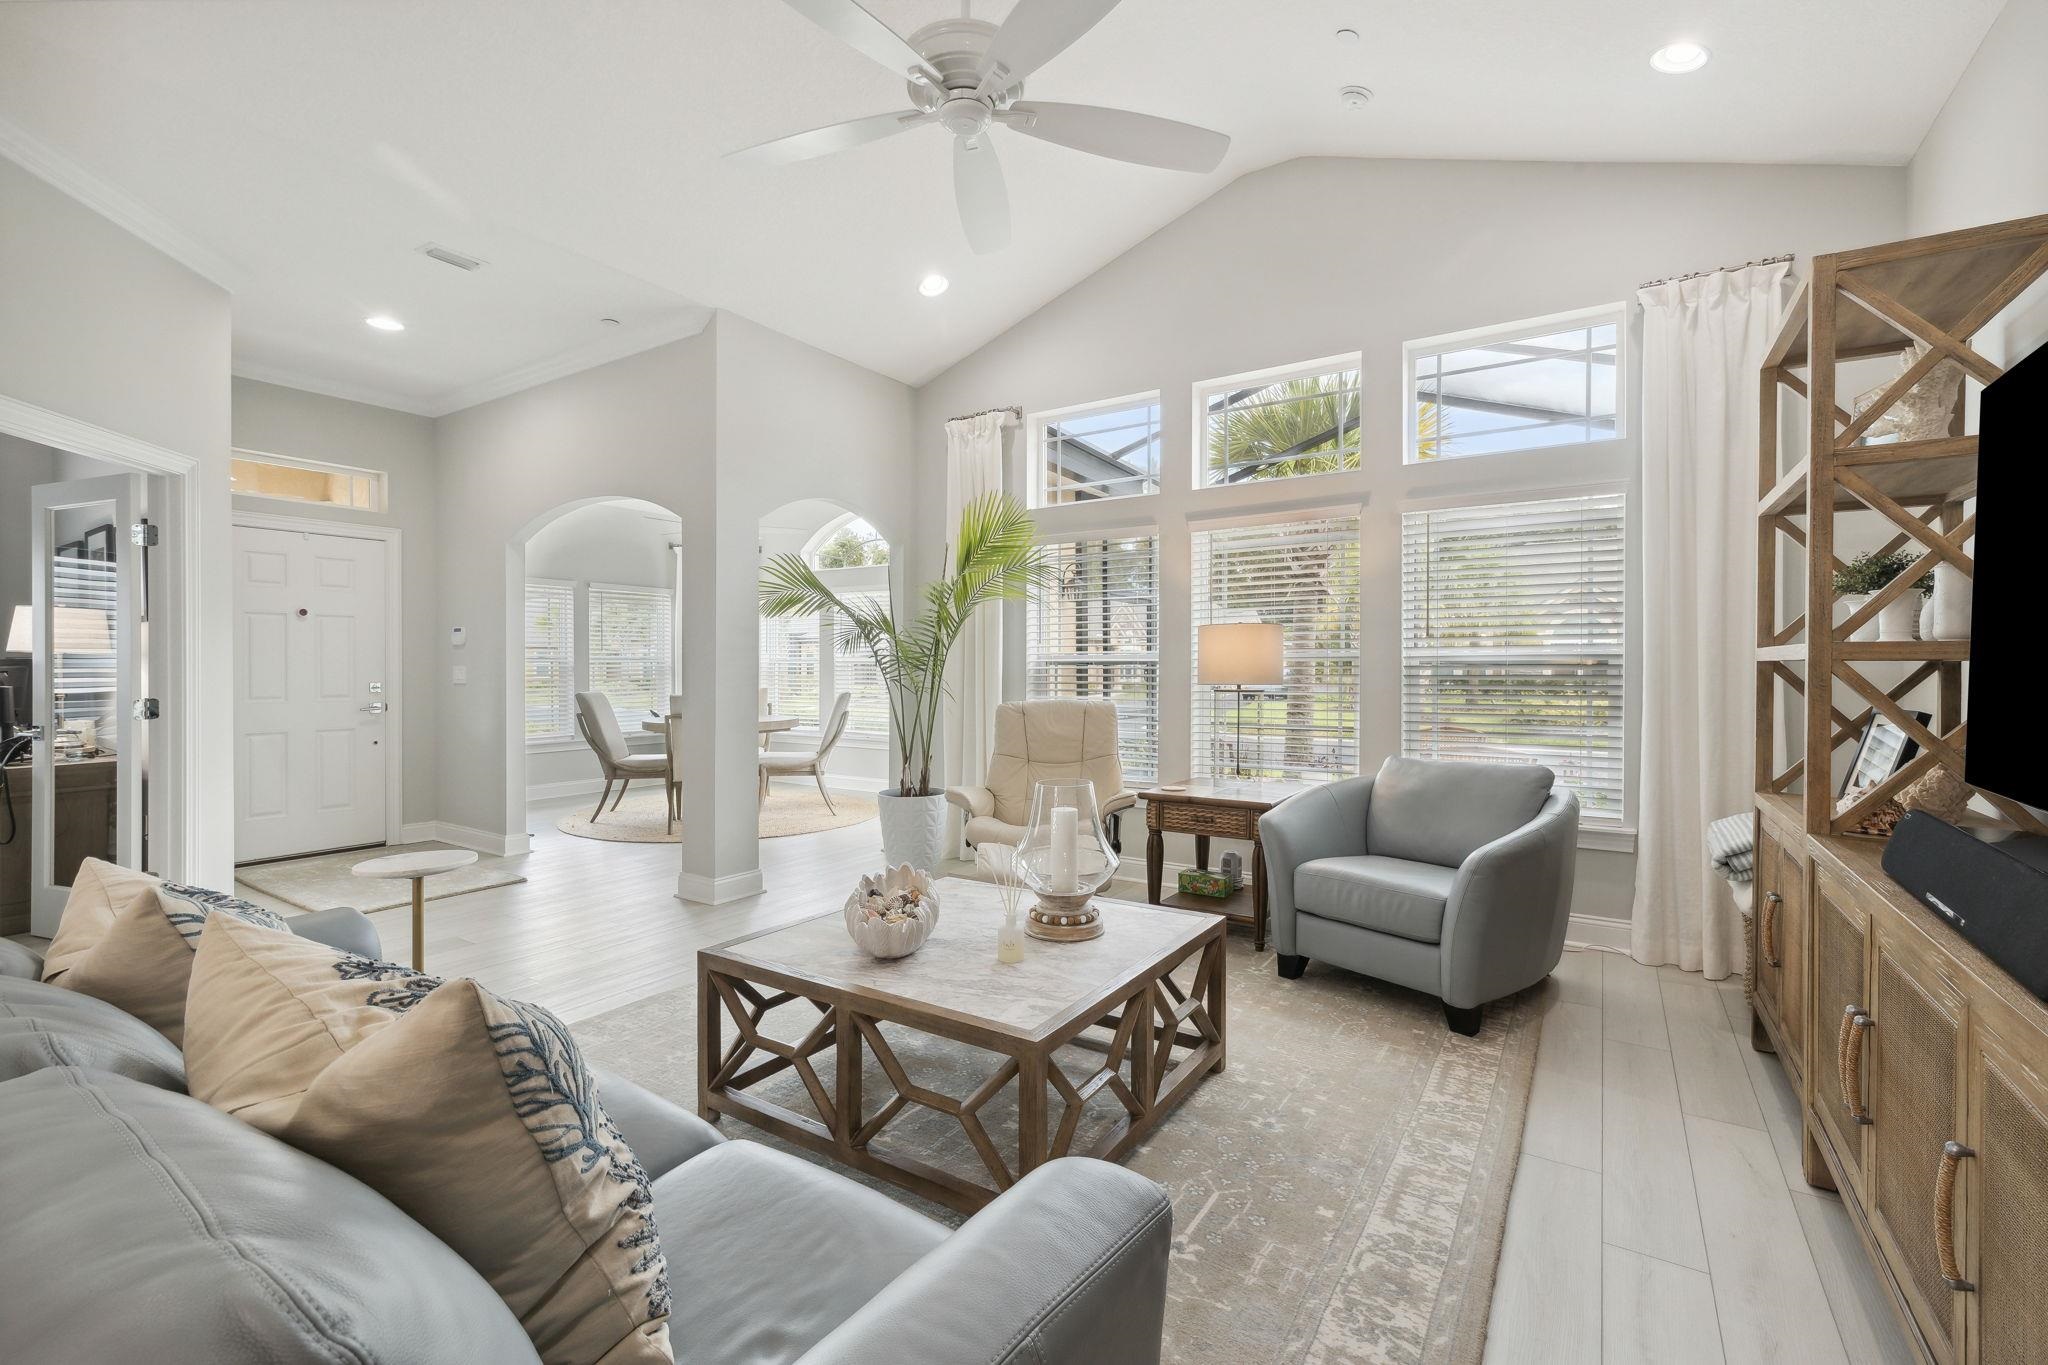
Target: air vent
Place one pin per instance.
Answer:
(454, 258)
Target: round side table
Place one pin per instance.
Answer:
(416, 868)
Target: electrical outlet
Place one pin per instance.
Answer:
(459, 674)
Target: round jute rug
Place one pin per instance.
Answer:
(643, 818)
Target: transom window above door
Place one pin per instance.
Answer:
(1098, 450)
(253, 474)
(1279, 424)
(1521, 386)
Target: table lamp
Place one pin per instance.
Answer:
(1240, 655)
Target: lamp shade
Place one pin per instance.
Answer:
(21, 631)
(78, 630)
(1240, 655)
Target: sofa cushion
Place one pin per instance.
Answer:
(1392, 895)
(144, 1223)
(474, 1114)
(792, 1251)
(100, 891)
(141, 959)
(20, 960)
(43, 1025)
(1432, 812)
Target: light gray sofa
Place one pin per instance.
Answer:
(139, 1223)
(1450, 878)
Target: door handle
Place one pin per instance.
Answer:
(375, 708)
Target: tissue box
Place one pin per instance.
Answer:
(1195, 882)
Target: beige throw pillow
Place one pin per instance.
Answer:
(100, 891)
(141, 959)
(474, 1114)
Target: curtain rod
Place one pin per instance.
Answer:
(1012, 411)
(1701, 274)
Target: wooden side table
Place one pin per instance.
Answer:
(416, 867)
(1208, 810)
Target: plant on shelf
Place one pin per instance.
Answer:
(1869, 573)
(996, 558)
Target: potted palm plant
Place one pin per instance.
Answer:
(996, 559)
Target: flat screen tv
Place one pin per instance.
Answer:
(2007, 749)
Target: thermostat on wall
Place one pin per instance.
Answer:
(455, 636)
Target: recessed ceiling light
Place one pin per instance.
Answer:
(384, 322)
(1347, 35)
(1675, 59)
(933, 285)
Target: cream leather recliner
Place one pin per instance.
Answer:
(1040, 741)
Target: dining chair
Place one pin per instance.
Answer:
(793, 762)
(599, 726)
(671, 746)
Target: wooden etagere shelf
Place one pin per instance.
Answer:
(1938, 292)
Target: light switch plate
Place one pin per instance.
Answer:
(459, 674)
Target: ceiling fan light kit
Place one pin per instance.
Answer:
(967, 76)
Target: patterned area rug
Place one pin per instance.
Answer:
(643, 819)
(1338, 1191)
(323, 882)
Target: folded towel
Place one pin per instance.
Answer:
(1731, 843)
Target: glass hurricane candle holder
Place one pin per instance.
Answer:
(1065, 858)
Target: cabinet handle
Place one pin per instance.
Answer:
(1952, 1154)
(1772, 900)
(1849, 1061)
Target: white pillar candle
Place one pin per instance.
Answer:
(1066, 850)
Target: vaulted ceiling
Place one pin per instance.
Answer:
(302, 152)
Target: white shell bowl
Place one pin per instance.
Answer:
(883, 940)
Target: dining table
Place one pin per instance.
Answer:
(767, 725)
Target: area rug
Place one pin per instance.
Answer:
(323, 882)
(643, 819)
(1338, 1192)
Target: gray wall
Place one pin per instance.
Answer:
(1986, 157)
(100, 327)
(23, 465)
(311, 426)
(1320, 257)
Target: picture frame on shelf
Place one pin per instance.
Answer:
(1883, 749)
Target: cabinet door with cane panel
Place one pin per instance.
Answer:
(1839, 1022)
(1770, 990)
(1916, 1074)
(1994, 1202)
(1788, 942)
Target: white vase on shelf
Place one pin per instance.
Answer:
(1847, 605)
(1950, 603)
(1899, 619)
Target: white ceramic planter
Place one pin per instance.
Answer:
(913, 829)
(1847, 605)
(1951, 604)
(1899, 619)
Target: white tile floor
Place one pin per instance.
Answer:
(1659, 1214)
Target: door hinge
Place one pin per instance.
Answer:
(145, 533)
(146, 708)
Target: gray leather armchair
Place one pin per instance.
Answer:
(1450, 878)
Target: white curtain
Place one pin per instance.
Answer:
(974, 466)
(1704, 340)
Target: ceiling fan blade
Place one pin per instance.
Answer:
(1120, 134)
(1035, 33)
(867, 35)
(836, 137)
(979, 190)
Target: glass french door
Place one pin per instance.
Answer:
(87, 675)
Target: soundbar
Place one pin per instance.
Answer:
(1994, 895)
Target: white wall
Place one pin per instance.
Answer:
(100, 327)
(610, 542)
(23, 465)
(1321, 257)
(1985, 159)
(312, 426)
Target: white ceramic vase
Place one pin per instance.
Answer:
(1899, 619)
(913, 829)
(1847, 605)
(1950, 606)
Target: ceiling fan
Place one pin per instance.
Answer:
(967, 75)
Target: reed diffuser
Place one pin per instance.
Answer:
(1000, 861)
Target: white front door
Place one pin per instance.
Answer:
(311, 709)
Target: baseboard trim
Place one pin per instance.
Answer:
(718, 890)
(419, 832)
(553, 791)
(1598, 931)
(839, 783)
(483, 841)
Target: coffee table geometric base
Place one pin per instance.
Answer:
(1155, 1040)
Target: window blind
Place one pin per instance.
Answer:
(84, 599)
(631, 647)
(1512, 640)
(1094, 632)
(1302, 576)
(550, 670)
(789, 667)
(853, 670)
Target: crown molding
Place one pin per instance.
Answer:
(116, 205)
(354, 393)
(627, 341)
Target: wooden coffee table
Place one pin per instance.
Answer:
(1150, 1039)
(1218, 810)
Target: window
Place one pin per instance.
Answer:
(1095, 633)
(1302, 576)
(1511, 640)
(1549, 382)
(854, 670)
(631, 644)
(84, 605)
(550, 670)
(253, 474)
(789, 667)
(1102, 450)
(1280, 424)
(848, 544)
